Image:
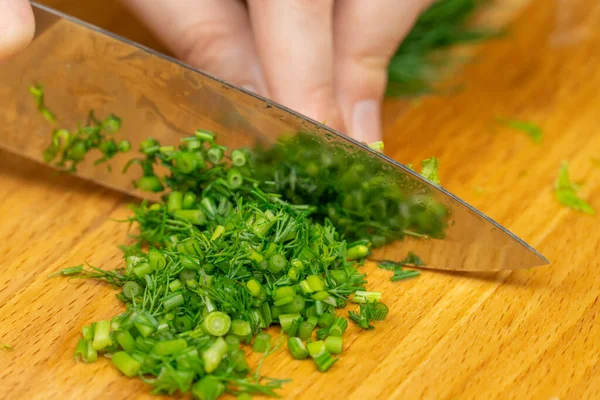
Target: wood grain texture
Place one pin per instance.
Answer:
(512, 335)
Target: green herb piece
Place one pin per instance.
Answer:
(297, 348)
(430, 168)
(377, 146)
(532, 130)
(397, 267)
(565, 192)
(369, 311)
(261, 343)
(6, 347)
(38, 94)
(334, 344)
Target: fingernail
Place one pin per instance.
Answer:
(366, 121)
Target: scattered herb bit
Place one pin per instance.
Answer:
(377, 146)
(532, 130)
(37, 92)
(419, 58)
(397, 267)
(6, 347)
(369, 311)
(565, 192)
(429, 170)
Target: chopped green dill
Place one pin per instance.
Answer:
(531, 129)
(565, 192)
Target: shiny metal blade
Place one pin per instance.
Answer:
(83, 67)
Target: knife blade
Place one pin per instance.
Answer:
(83, 67)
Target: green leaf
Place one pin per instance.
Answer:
(430, 168)
(531, 129)
(565, 192)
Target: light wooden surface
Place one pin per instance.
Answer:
(527, 334)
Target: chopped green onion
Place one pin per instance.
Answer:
(362, 297)
(126, 341)
(339, 327)
(175, 285)
(284, 292)
(402, 275)
(196, 217)
(322, 334)
(238, 158)
(316, 284)
(149, 184)
(322, 295)
(216, 323)
(189, 201)
(129, 366)
(283, 301)
(131, 289)
(293, 330)
(295, 306)
(286, 320)
(326, 320)
(214, 354)
(297, 348)
(334, 344)
(168, 347)
(205, 136)
(277, 263)
(219, 230)
(324, 361)
(142, 270)
(156, 259)
(254, 287)
(262, 342)
(305, 287)
(240, 327)
(380, 311)
(208, 388)
(175, 201)
(357, 252)
(101, 335)
(238, 359)
(315, 348)
(214, 155)
(234, 178)
(233, 343)
(183, 323)
(172, 301)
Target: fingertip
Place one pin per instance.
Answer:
(17, 27)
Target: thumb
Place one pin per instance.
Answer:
(367, 33)
(17, 26)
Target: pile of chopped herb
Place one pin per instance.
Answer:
(244, 240)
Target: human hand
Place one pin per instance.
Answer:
(16, 26)
(323, 58)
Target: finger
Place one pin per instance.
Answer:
(17, 26)
(367, 33)
(294, 39)
(212, 35)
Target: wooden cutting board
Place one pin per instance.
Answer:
(526, 334)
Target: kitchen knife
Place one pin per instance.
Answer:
(83, 67)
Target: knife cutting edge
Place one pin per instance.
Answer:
(85, 67)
